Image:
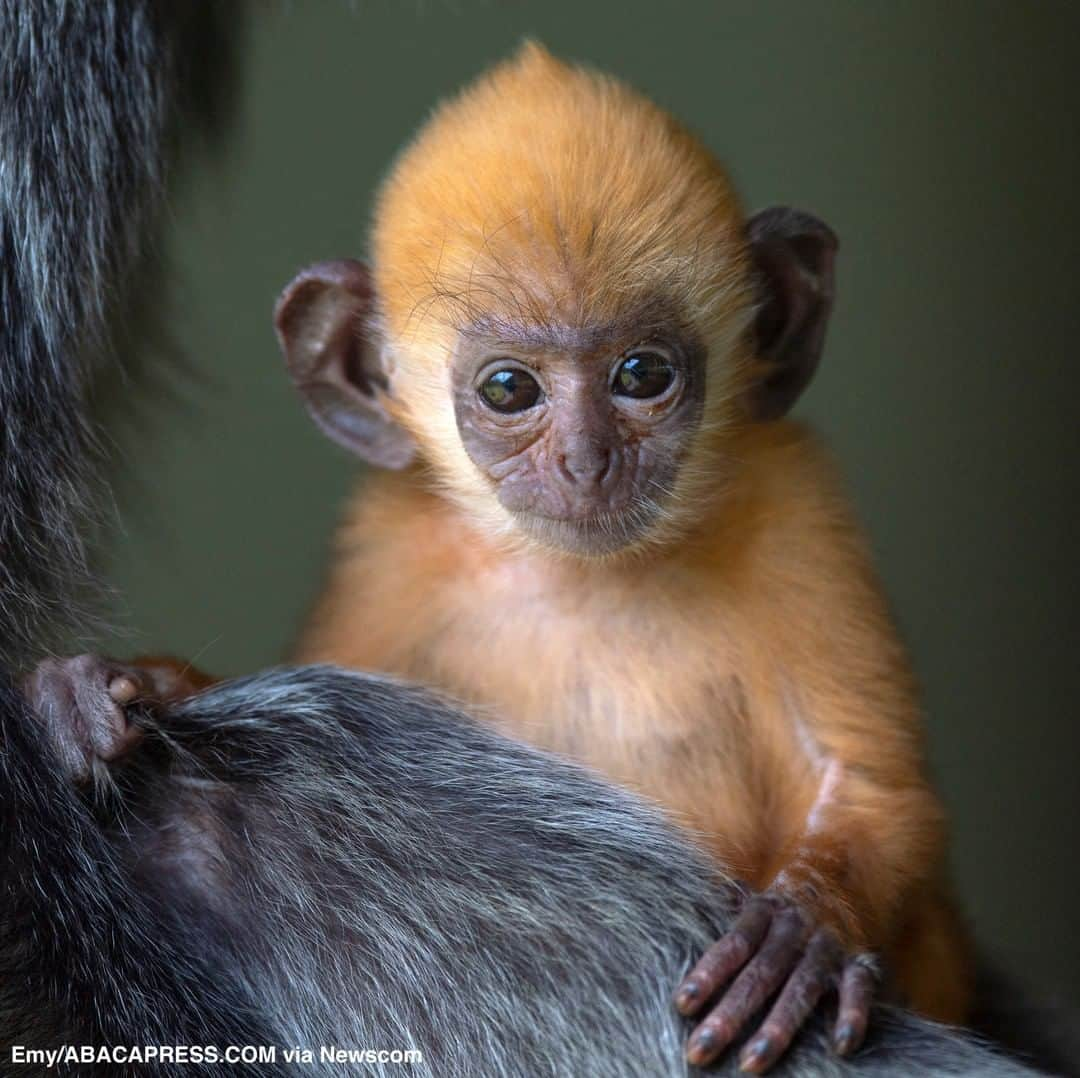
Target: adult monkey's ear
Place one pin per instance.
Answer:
(793, 255)
(333, 351)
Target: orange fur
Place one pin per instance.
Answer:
(552, 193)
(171, 678)
(739, 666)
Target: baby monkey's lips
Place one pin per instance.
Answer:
(589, 535)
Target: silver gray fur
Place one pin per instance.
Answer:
(313, 857)
(93, 96)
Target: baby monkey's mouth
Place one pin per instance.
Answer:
(595, 534)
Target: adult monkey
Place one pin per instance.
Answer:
(112, 933)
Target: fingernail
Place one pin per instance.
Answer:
(687, 995)
(755, 1053)
(702, 1046)
(844, 1039)
(122, 689)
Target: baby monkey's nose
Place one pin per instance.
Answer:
(585, 465)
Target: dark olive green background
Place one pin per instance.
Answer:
(938, 138)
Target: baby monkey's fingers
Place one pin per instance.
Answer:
(815, 975)
(858, 983)
(777, 957)
(725, 957)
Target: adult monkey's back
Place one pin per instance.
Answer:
(287, 862)
(177, 931)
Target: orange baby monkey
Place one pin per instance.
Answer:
(573, 355)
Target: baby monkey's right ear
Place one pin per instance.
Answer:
(334, 354)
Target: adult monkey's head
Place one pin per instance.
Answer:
(566, 315)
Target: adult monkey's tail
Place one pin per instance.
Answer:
(94, 96)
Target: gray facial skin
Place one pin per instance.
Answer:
(583, 463)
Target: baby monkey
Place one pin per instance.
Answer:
(572, 357)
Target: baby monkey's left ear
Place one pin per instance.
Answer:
(793, 255)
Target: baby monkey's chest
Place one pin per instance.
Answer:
(649, 696)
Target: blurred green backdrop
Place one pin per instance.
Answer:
(939, 139)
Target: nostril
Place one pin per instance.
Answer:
(565, 470)
(608, 465)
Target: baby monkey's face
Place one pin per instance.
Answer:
(580, 431)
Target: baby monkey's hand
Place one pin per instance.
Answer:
(83, 704)
(774, 945)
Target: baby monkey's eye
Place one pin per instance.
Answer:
(644, 374)
(510, 390)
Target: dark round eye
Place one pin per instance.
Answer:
(644, 374)
(510, 390)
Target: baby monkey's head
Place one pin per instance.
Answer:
(567, 314)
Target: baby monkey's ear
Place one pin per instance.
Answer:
(335, 354)
(793, 255)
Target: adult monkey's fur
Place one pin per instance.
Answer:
(307, 857)
(92, 98)
(303, 867)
